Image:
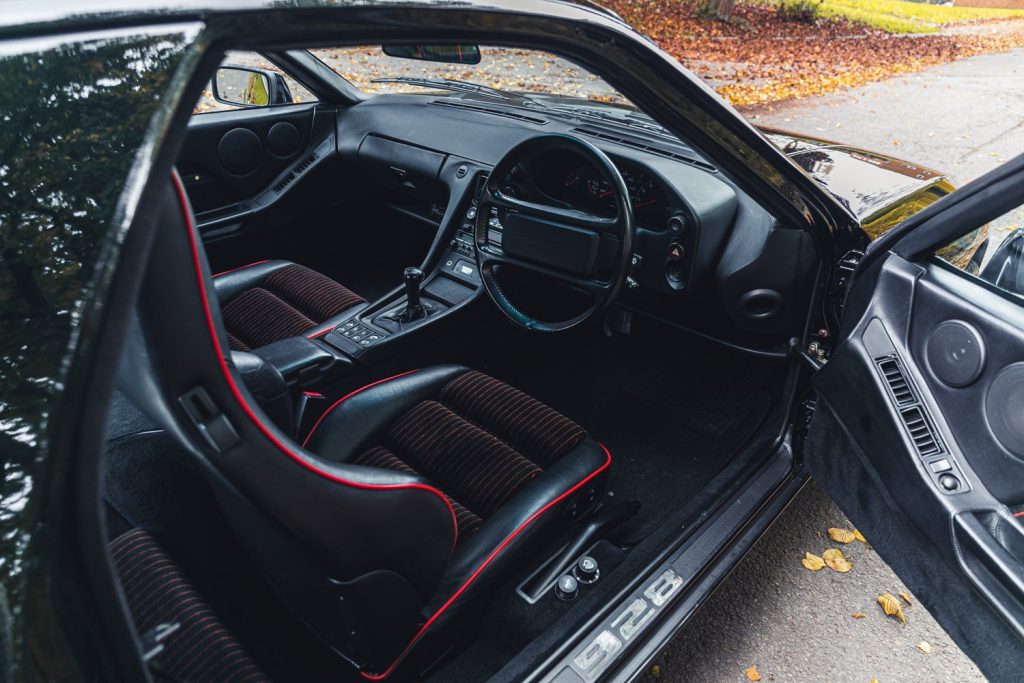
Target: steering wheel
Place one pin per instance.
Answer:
(561, 242)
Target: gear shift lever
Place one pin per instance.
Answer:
(413, 308)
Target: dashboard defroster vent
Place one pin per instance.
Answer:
(893, 374)
(492, 111)
(636, 144)
(920, 431)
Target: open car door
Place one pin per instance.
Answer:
(918, 428)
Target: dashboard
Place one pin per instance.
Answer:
(705, 253)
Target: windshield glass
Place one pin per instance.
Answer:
(509, 69)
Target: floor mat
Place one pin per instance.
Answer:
(670, 414)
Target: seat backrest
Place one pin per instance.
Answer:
(330, 535)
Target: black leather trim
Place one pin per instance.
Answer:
(266, 383)
(362, 419)
(232, 282)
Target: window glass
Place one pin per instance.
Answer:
(510, 69)
(996, 252)
(208, 104)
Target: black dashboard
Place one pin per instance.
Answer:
(706, 254)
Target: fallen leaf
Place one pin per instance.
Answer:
(924, 647)
(859, 536)
(858, 615)
(906, 597)
(836, 561)
(812, 562)
(841, 535)
(892, 607)
(752, 674)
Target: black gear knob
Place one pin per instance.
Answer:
(413, 277)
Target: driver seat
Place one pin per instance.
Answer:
(409, 501)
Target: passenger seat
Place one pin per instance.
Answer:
(271, 300)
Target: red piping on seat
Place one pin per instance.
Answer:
(320, 333)
(186, 211)
(483, 565)
(249, 265)
(347, 397)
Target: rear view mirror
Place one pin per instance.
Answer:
(243, 86)
(1006, 268)
(449, 54)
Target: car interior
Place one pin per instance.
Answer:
(455, 366)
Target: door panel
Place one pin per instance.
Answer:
(230, 156)
(918, 434)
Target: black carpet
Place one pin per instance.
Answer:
(671, 410)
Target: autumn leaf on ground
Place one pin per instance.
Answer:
(858, 615)
(906, 597)
(841, 535)
(752, 674)
(859, 536)
(812, 562)
(892, 607)
(924, 647)
(836, 561)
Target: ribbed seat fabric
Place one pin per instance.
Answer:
(289, 302)
(480, 441)
(158, 593)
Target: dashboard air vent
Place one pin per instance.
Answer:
(491, 110)
(636, 144)
(897, 382)
(920, 432)
(299, 169)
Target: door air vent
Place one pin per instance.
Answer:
(636, 144)
(920, 431)
(492, 111)
(897, 382)
(295, 172)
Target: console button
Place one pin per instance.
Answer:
(464, 268)
(586, 570)
(949, 482)
(567, 587)
(676, 252)
(940, 466)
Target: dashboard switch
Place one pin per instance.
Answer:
(676, 252)
(949, 482)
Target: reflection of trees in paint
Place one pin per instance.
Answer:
(73, 118)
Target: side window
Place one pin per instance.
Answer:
(993, 253)
(245, 87)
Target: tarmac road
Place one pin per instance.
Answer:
(964, 119)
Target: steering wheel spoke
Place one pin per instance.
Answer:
(574, 217)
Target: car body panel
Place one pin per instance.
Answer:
(94, 88)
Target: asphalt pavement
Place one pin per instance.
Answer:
(964, 119)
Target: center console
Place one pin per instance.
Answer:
(423, 297)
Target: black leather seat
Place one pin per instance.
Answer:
(411, 500)
(271, 300)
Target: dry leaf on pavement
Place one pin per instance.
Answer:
(859, 536)
(924, 647)
(752, 674)
(906, 597)
(892, 607)
(841, 535)
(835, 559)
(858, 615)
(812, 562)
